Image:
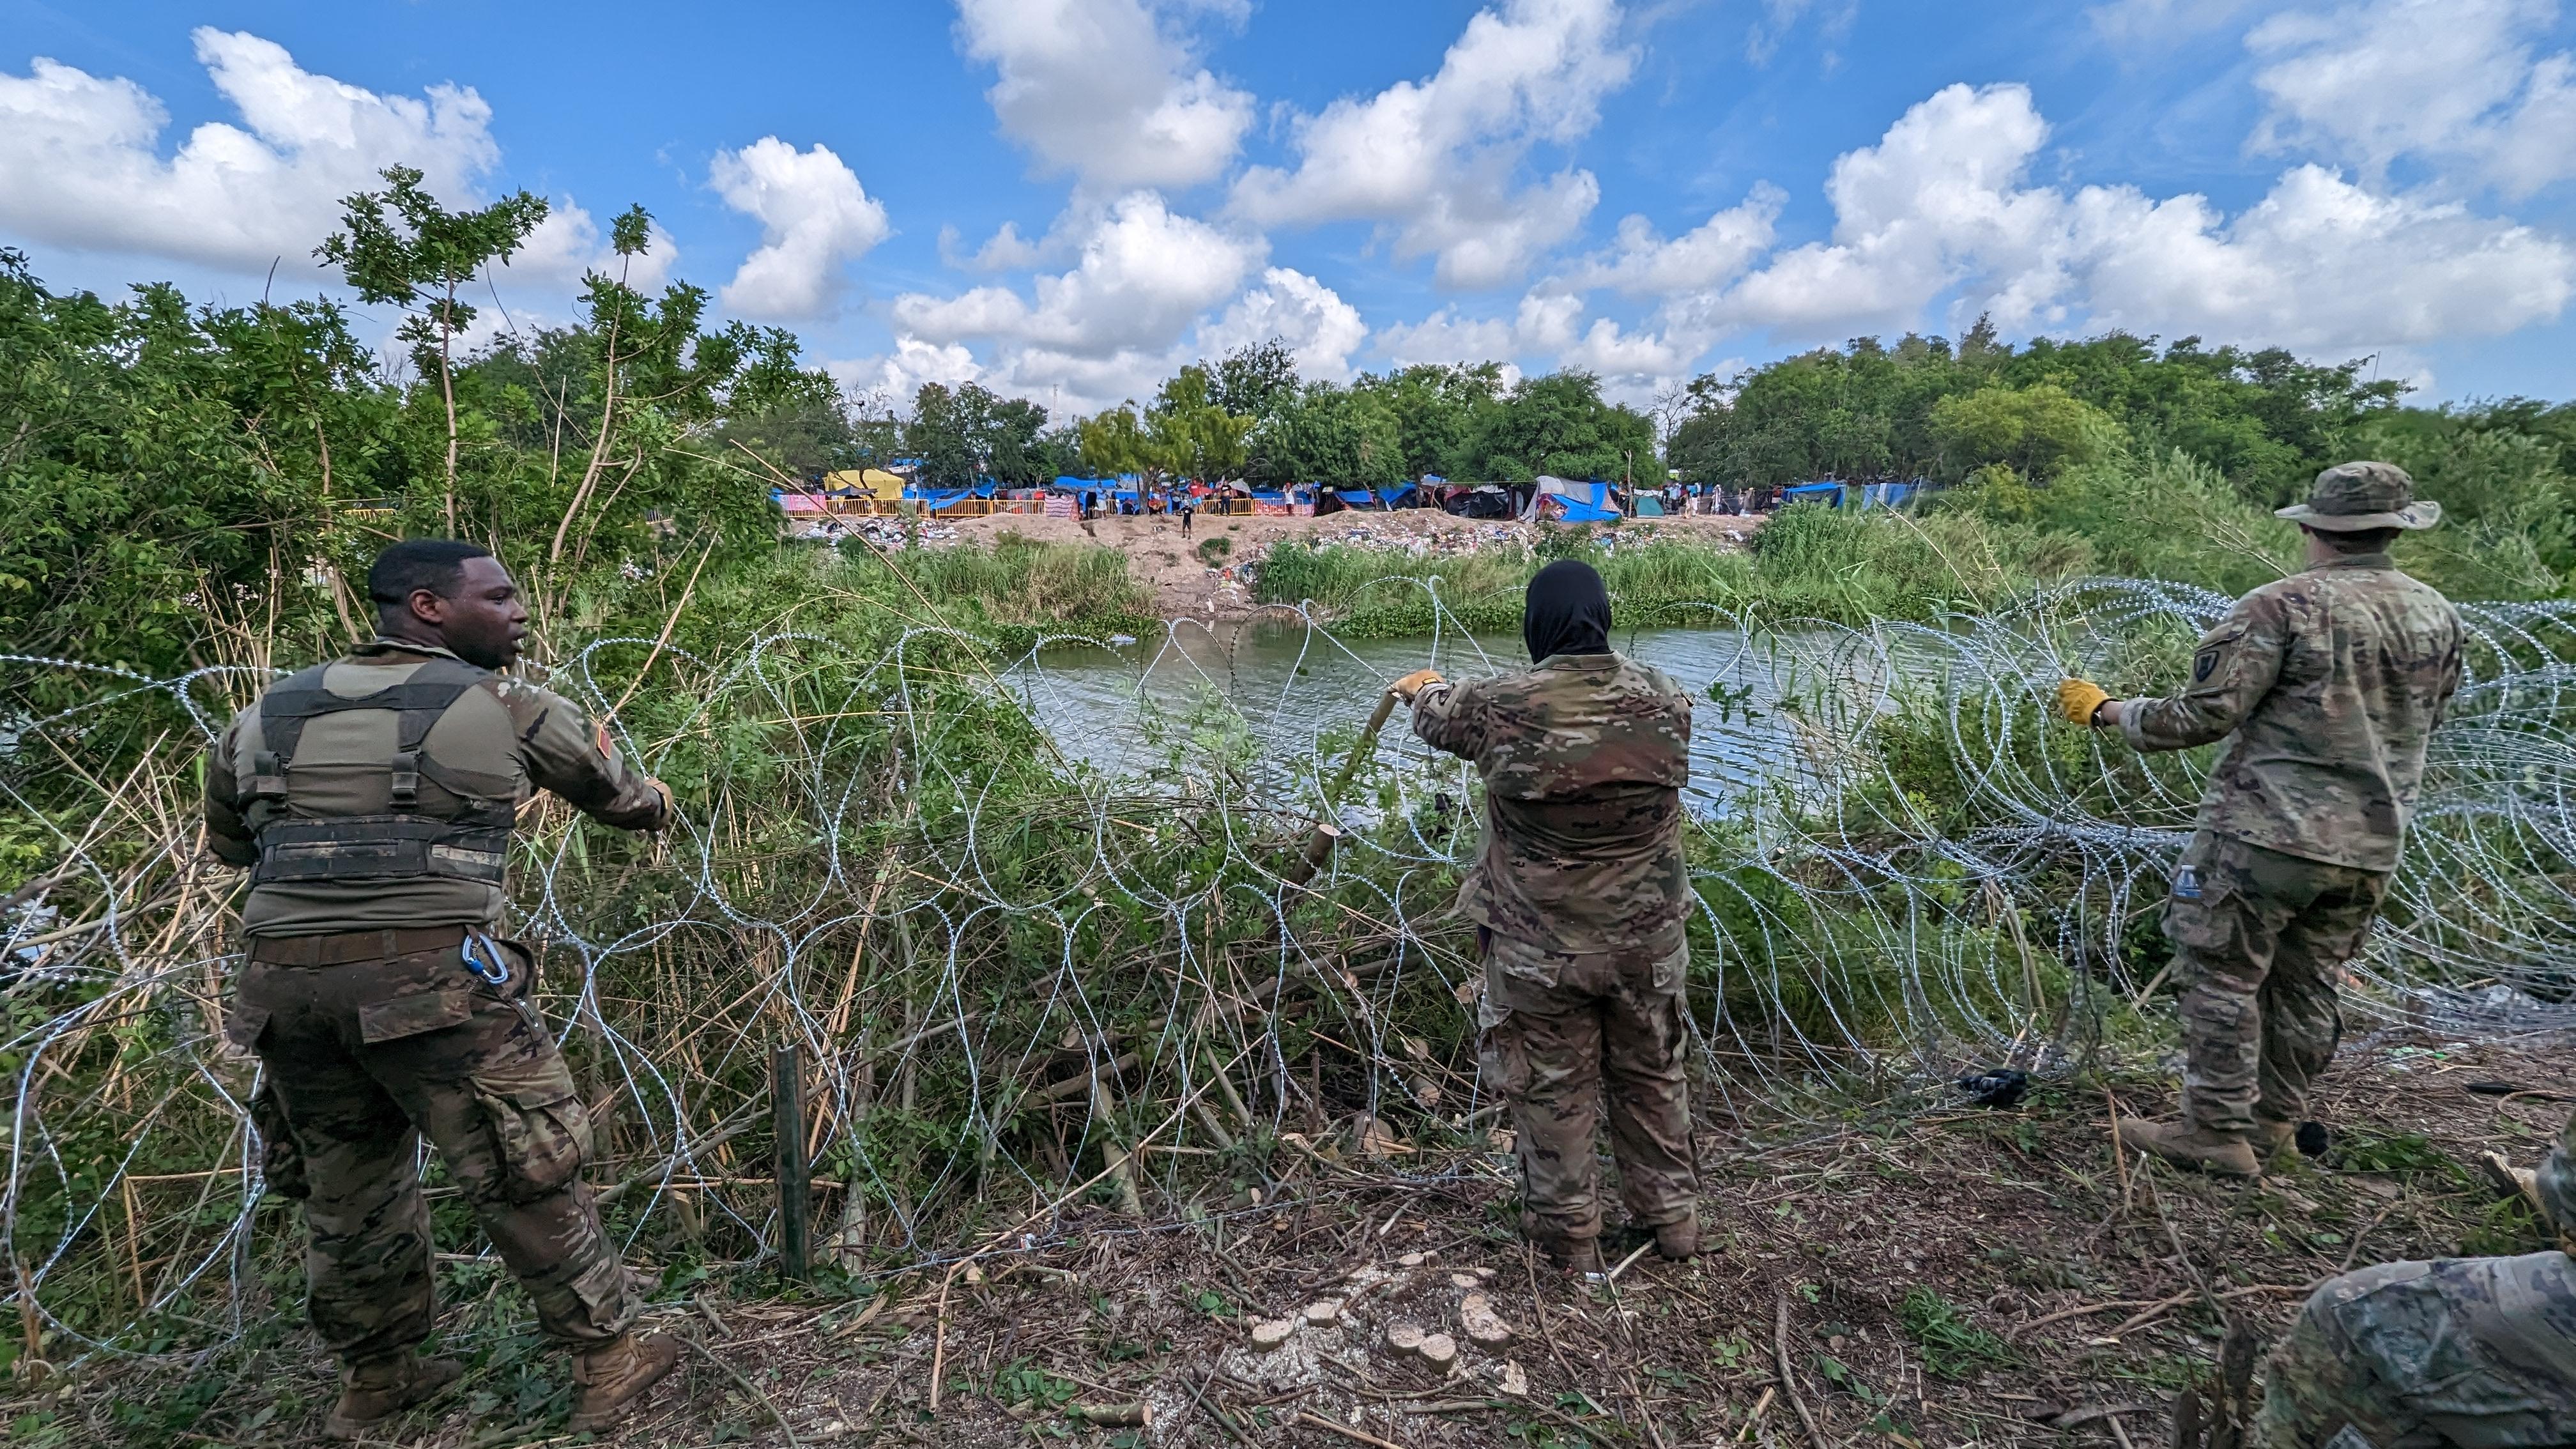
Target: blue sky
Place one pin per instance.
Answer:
(1067, 198)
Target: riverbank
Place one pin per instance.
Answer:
(1214, 573)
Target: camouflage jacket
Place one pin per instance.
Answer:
(2330, 683)
(1583, 760)
(498, 743)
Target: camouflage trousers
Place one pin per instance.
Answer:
(2474, 1352)
(373, 1040)
(1560, 1033)
(2260, 942)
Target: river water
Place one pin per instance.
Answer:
(1123, 708)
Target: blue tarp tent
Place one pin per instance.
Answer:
(1885, 495)
(1395, 497)
(1583, 502)
(1828, 494)
(1357, 498)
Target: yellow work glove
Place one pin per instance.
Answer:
(2077, 699)
(1410, 685)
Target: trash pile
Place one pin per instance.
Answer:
(1479, 537)
(1436, 543)
(883, 531)
(1406, 1322)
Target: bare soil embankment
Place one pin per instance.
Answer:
(1187, 582)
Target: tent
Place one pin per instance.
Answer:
(864, 483)
(1485, 500)
(1579, 502)
(1885, 495)
(1828, 494)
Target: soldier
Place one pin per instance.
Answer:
(2415, 1355)
(1579, 898)
(2327, 685)
(372, 799)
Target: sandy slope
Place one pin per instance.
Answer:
(1184, 584)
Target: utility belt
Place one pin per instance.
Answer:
(482, 953)
(383, 847)
(339, 948)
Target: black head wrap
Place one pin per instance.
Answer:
(1568, 611)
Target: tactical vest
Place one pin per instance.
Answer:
(400, 844)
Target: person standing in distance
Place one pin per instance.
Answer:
(1579, 896)
(372, 799)
(2327, 686)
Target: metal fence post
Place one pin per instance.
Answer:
(795, 1187)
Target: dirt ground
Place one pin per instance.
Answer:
(1188, 585)
(1911, 1269)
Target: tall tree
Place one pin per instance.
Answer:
(1436, 410)
(399, 246)
(1560, 425)
(1255, 380)
(1325, 434)
(1194, 435)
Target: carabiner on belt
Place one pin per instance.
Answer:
(483, 958)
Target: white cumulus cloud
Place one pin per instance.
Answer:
(1106, 89)
(1319, 329)
(1547, 329)
(2439, 80)
(1111, 325)
(814, 217)
(79, 164)
(1438, 160)
(1144, 274)
(1714, 252)
(890, 380)
(1941, 206)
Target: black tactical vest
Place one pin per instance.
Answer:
(402, 843)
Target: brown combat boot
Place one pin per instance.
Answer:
(614, 1375)
(2184, 1145)
(2512, 1181)
(1678, 1241)
(374, 1390)
(1574, 1255)
(2271, 1138)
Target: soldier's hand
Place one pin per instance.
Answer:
(1410, 685)
(670, 811)
(2077, 699)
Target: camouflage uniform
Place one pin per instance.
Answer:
(2464, 1351)
(373, 798)
(1580, 893)
(2327, 685)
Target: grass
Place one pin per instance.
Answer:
(1805, 562)
(1026, 583)
(1952, 1347)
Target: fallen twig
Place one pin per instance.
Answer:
(1345, 1430)
(748, 1387)
(1788, 1376)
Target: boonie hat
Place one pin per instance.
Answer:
(2349, 497)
